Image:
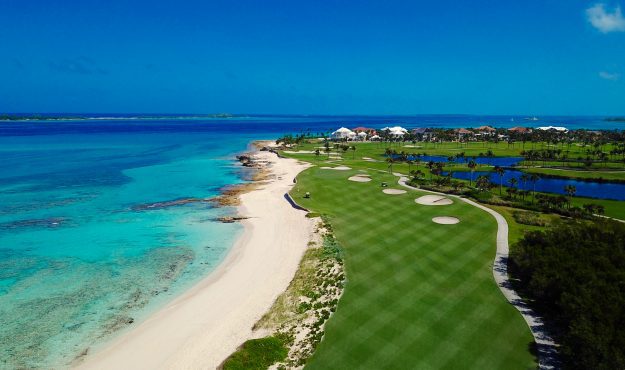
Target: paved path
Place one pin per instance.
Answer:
(547, 351)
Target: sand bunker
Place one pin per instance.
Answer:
(360, 178)
(299, 151)
(394, 191)
(339, 168)
(445, 220)
(433, 200)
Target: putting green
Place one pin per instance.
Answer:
(417, 294)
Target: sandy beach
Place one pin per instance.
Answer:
(203, 326)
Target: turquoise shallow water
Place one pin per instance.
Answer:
(81, 252)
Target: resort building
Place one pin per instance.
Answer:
(423, 133)
(520, 130)
(366, 130)
(343, 134)
(553, 128)
(362, 133)
(463, 133)
(395, 131)
(486, 130)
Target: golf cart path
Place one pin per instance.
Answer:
(546, 347)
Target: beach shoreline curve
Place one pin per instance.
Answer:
(204, 325)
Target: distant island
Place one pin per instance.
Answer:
(615, 119)
(62, 117)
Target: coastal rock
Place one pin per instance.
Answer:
(230, 219)
(167, 204)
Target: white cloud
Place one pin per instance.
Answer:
(604, 20)
(609, 76)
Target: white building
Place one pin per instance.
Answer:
(343, 134)
(554, 128)
(396, 131)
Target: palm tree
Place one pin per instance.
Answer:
(524, 177)
(429, 166)
(417, 174)
(390, 162)
(326, 148)
(534, 178)
(513, 182)
(353, 148)
(317, 153)
(417, 160)
(482, 183)
(471, 166)
(500, 171)
(409, 161)
(570, 190)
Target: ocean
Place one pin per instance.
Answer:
(91, 237)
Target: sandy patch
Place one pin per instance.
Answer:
(433, 200)
(299, 151)
(369, 159)
(445, 220)
(394, 191)
(360, 178)
(339, 168)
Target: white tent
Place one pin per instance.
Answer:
(374, 138)
(343, 133)
(555, 128)
(396, 130)
(362, 136)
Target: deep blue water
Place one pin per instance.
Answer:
(493, 161)
(588, 189)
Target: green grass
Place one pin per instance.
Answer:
(501, 149)
(579, 174)
(613, 208)
(257, 354)
(517, 230)
(418, 294)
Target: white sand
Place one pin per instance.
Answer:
(445, 220)
(299, 151)
(206, 324)
(360, 178)
(339, 168)
(433, 200)
(394, 191)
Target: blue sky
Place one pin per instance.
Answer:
(332, 57)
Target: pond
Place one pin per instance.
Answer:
(493, 161)
(590, 189)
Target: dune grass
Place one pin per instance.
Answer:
(257, 354)
(418, 294)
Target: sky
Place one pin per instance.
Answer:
(534, 57)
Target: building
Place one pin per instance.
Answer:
(553, 128)
(463, 133)
(486, 129)
(395, 131)
(520, 130)
(366, 130)
(423, 133)
(343, 134)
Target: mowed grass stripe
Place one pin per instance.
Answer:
(418, 294)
